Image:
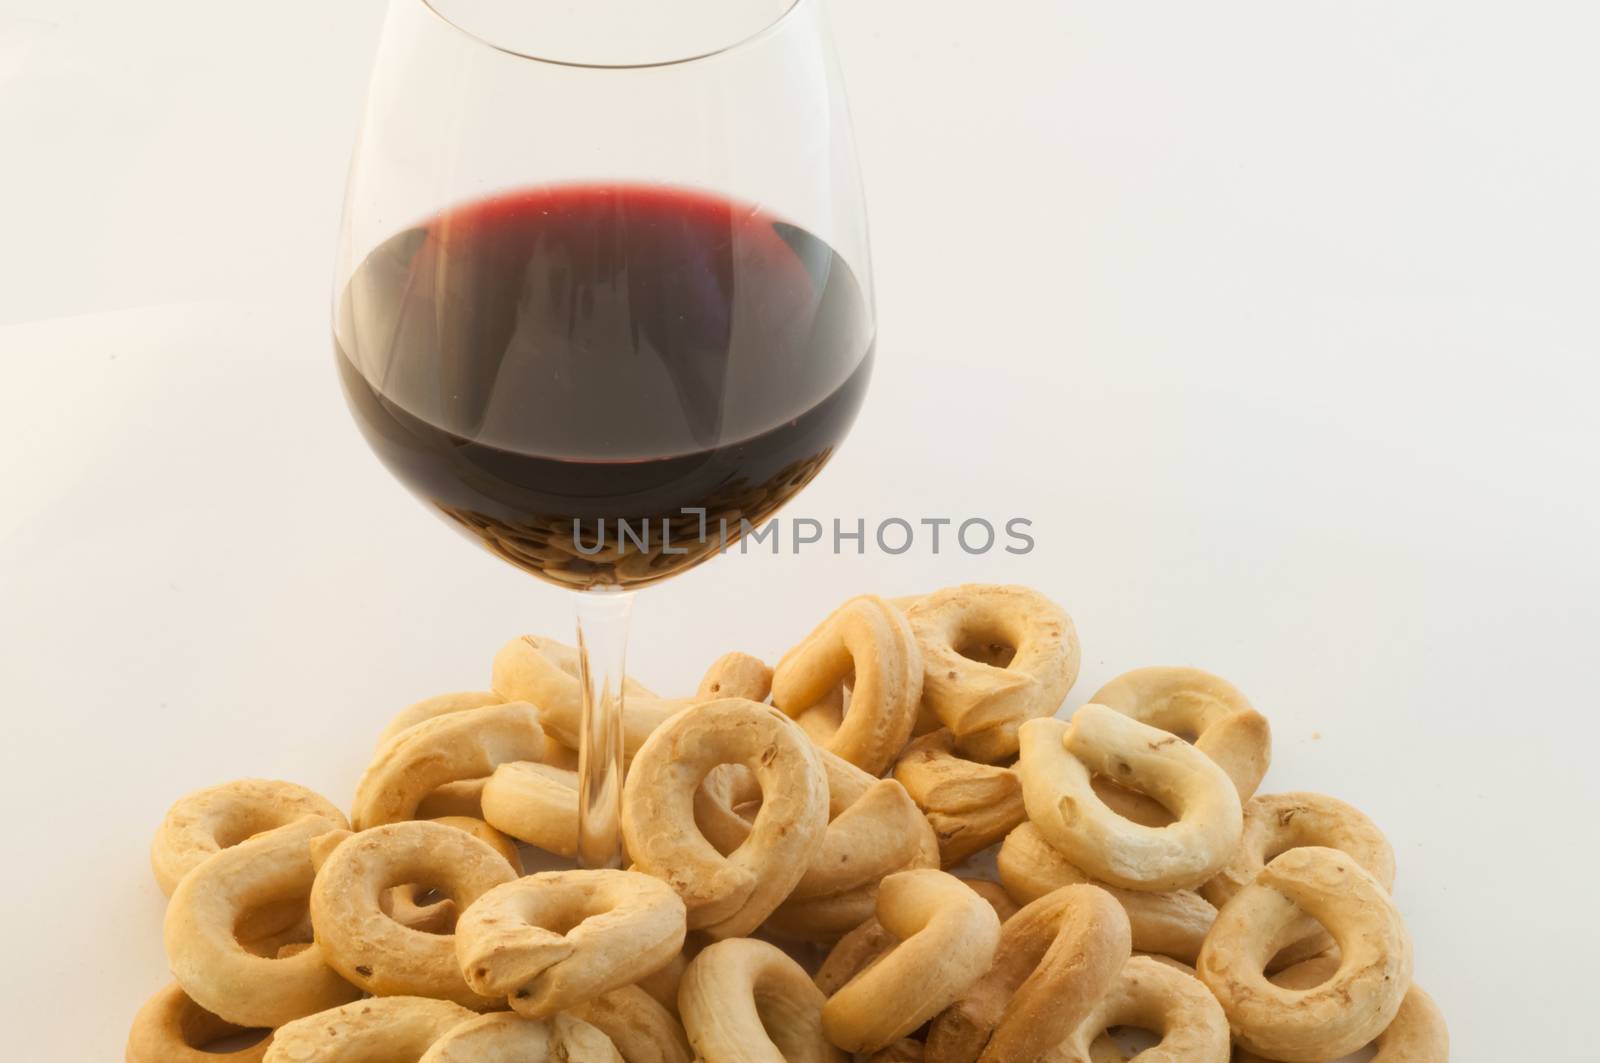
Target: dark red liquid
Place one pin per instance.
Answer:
(545, 361)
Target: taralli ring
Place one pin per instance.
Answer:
(1171, 924)
(513, 1039)
(1158, 997)
(1417, 1034)
(745, 1001)
(446, 749)
(643, 1030)
(1276, 823)
(434, 707)
(408, 905)
(211, 964)
(1203, 708)
(210, 820)
(727, 896)
(515, 940)
(1057, 958)
(970, 806)
(736, 675)
(371, 949)
(388, 1028)
(947, 936)
(172, 1028)
(1343, 1013)
(545, 672)
(535, 803)
(869, 643)
(1057, 765)
(1030, 641)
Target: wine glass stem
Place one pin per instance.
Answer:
(602, 656)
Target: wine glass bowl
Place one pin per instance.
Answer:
(603, 297)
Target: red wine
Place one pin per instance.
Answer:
(563, 372)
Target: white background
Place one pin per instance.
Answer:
(1279, 320)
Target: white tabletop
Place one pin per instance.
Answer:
(1277, 320)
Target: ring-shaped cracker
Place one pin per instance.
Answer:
(545, 672)
(825, 919)
(368, 1031)
(970, 806)
(172, 1028)
(205, 954)
(1057, 766)
(207, 821)
(1203, 708)
(557, 939)
(946, 938)
(1417, 1035)
(371, 949)
(973, 696)
(1159, 997)
(1058, 957)
(447, 749)
(1276, 823)
(642, 1029)
(745, 1001)
(736, 675)
(1341, 1014)
(504, 1038)
(535, 803)
(726, 896)
(436, 706)
(867, 643)
(1173, 923)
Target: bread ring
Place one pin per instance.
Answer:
(1417, 1034)
(535, 803)
(904, 1050)
(172, 1028)
(461, 798)
(852, 954)
(208, 960)
(1057, 762)
(868, 643)
(412, 906)
(1201, 707)
(544, 672)
(368, 1031)
(995, 894)
(947, 936)
(208, 821)
(726, 896)
(514, 941)
(1276, 823)
(736, 675)
(1160, 998)
(1172, 924)
(1342, 1014)
(970, 806)
(956, 626)
(434, 707)
(642, 1030)
(825, 919)
(745, 1001)
(371, 949)
(506, 1038)
(663, 983)
(446, 749)
(1057, 958)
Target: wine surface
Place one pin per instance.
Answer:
(564, 371)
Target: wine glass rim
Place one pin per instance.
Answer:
(518, 53)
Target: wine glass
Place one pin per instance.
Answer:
(603, 296)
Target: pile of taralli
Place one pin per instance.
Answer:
(792, 834)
